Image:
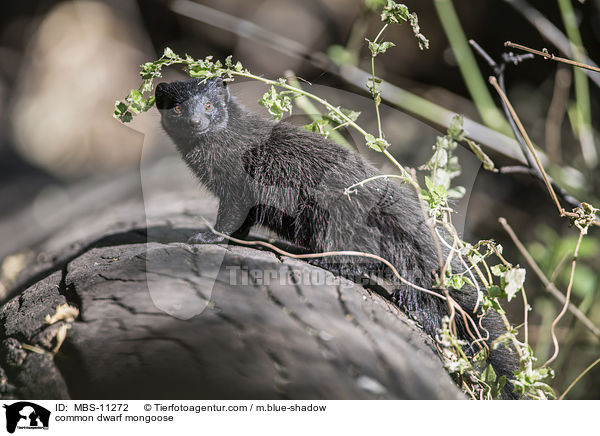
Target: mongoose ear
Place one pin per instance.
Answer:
(222, 87)
(163, 101)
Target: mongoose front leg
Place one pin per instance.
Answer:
(231, 220)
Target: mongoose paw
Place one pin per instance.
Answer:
(205, 238)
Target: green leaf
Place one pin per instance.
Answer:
(377, 144)
(498, 270)
(396, 12)
(377, 48)
(498, 386)
(276, 103)
(373, 85)
(429, 184)
(455, 130)
(456, 282)
(495, 291)
(489, 375)
(481, 355)
(486, 161)
(120, 107)
(491, 303)
(336, 119)
(514, 279)
(121, 112)
(169, 54)
(319, 127)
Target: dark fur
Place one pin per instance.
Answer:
(292, 181)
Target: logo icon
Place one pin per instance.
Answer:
(26, 415)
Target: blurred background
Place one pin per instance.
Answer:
(64, 63)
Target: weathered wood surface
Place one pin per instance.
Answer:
(136, 282)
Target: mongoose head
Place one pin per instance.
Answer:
(193, 107)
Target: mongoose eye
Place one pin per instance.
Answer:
(177, 109)
(208, 106)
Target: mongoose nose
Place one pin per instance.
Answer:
(197, 120)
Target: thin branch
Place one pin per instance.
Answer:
(499, 73)
(525, 136)
(567, 298)
(574, 382)
(544, 53)
(325, 254)
(525, 315)
(352, 188)
(523, 132)
(533, 170)
(550, 32)
(430, 224)
(374, 92)
(556, 113)
(313, 113)
(453, 304)
(435, 115)
(548, 285)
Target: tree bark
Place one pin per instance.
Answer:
(159, 318)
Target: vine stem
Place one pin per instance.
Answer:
(304, 93)
(451, 302)
(567, 299)
(333, 108)
(548, 283)
(297, 90)
(351, 189)
(373, 90)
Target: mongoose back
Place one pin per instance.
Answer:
(292, 181)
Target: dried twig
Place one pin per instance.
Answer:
(546, 54)
(533, 169)
(434, 114)
(451, 302)
(574, 382)
(529, 144)
(548, 285)
(498, 69)
(490, 139)
(567, 298)
(556, 113)
(550, 32)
